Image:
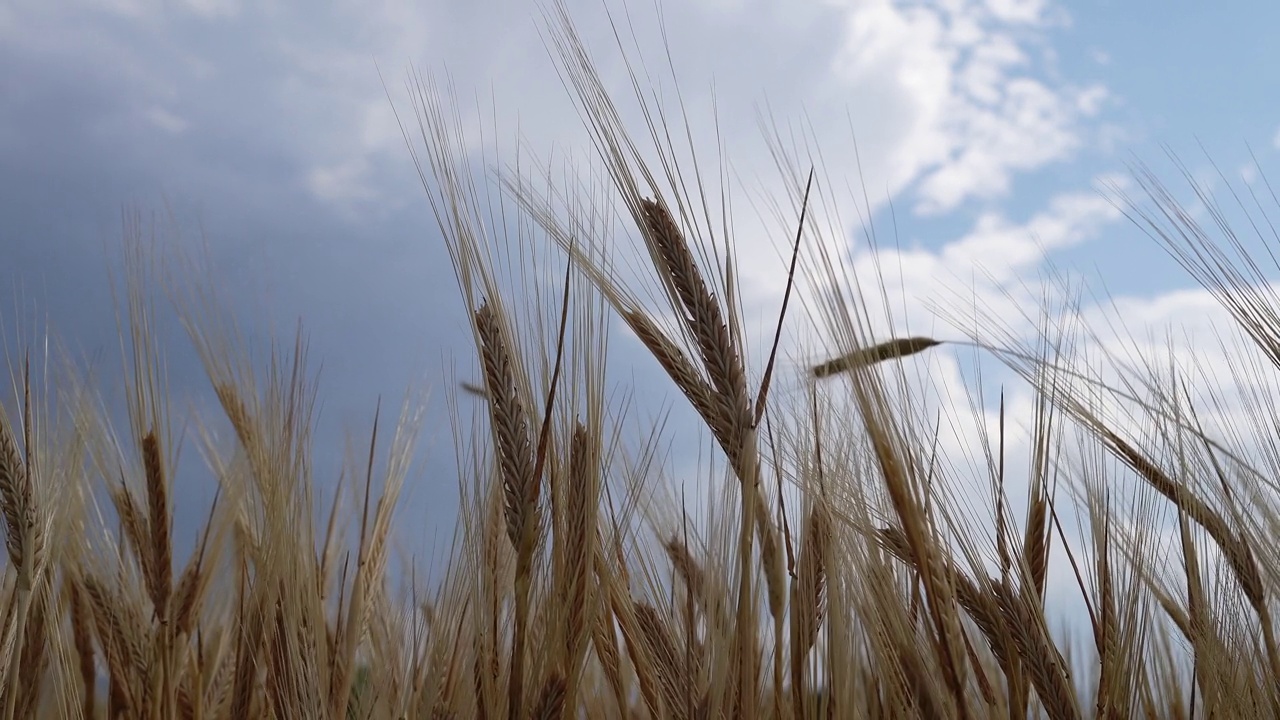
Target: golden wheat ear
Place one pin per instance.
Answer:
(865, 357)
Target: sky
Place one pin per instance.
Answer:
(985, 131)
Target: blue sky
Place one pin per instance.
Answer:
(264, 130)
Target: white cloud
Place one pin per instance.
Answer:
(991, 266)
(212, 9)
(123, 8)
(962, 87)
(1030, 127)
(1089, 101)
(1030, 12)
(1009, 251)
(166, 120)
(341, 183)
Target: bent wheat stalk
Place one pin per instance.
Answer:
(881, 352)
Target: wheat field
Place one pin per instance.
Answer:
(833, 573)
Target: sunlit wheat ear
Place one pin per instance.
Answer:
(134, 526)
(1035, 545)
(118, 629)
(624, 612)
(673, 673)
(160, 578)
(703, 316)
(580, 551)
(978, 598)
(1014, 624)
(24, 526)
(17, 503)
(189, 594)
(808, 598)
(511, 425)
(691, 573)
(866, 357)
(551, 699)
(1047, 668)
(82, 640)
(811, 577)
(723, 401)
(34, 658)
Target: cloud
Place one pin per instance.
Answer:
(975, 106)
(166, 121)
(947, 98)
(998, 264)
(1028, 12)
(1008, 251)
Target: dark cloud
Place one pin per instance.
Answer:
(211, 136)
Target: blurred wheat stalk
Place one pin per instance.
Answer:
(572, 589)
